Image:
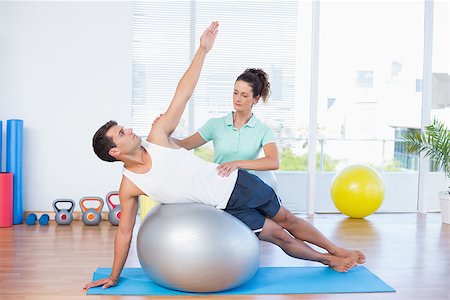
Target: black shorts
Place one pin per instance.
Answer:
(252, 201)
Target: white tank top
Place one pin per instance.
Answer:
(178, 176)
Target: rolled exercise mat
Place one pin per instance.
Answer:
(6, 202)
(1, 148)
(14, 155)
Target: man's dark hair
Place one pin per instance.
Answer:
(102, 143)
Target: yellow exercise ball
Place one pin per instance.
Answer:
(357, 191)
(146, 204)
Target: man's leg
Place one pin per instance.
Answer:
(274, 233)
(252, 200)
(304, 231)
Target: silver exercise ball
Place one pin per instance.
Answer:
(196, 248)
(268, 177)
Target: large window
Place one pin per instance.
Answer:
(272, 35)
(440, 103)
(370, 66)
(259, 34)
(370, 57)
(440, 98)
(161, 53)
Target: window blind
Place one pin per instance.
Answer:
(252, 34)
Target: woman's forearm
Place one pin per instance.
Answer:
(260, 164)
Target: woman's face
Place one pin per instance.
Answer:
(243, 96)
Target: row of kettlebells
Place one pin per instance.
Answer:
(90, 215)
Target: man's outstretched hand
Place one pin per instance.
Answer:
(104, 282)
(209, 36)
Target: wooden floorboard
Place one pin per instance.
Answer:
(410, 252)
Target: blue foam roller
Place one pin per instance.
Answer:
(43, 220)
(14, 159)
(31, 219)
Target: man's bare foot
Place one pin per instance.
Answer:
(355, 254)
(340, 264)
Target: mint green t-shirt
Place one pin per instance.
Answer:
(232, 144)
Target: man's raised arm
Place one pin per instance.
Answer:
(170, 119)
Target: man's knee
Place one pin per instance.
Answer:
(272, 232)
(285, 218)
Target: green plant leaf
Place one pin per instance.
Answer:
(434, 143)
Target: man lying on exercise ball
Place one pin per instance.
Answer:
(158, 167)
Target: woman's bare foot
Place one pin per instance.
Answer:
(356, 254)
(340, 264)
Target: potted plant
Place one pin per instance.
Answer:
(435, 144)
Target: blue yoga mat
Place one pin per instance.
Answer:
(270, 280)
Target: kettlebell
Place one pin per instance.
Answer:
(63, 215)
(93, 215)
(114, 209)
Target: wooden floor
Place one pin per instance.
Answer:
(409, 252)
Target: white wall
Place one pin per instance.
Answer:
(65, 69)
